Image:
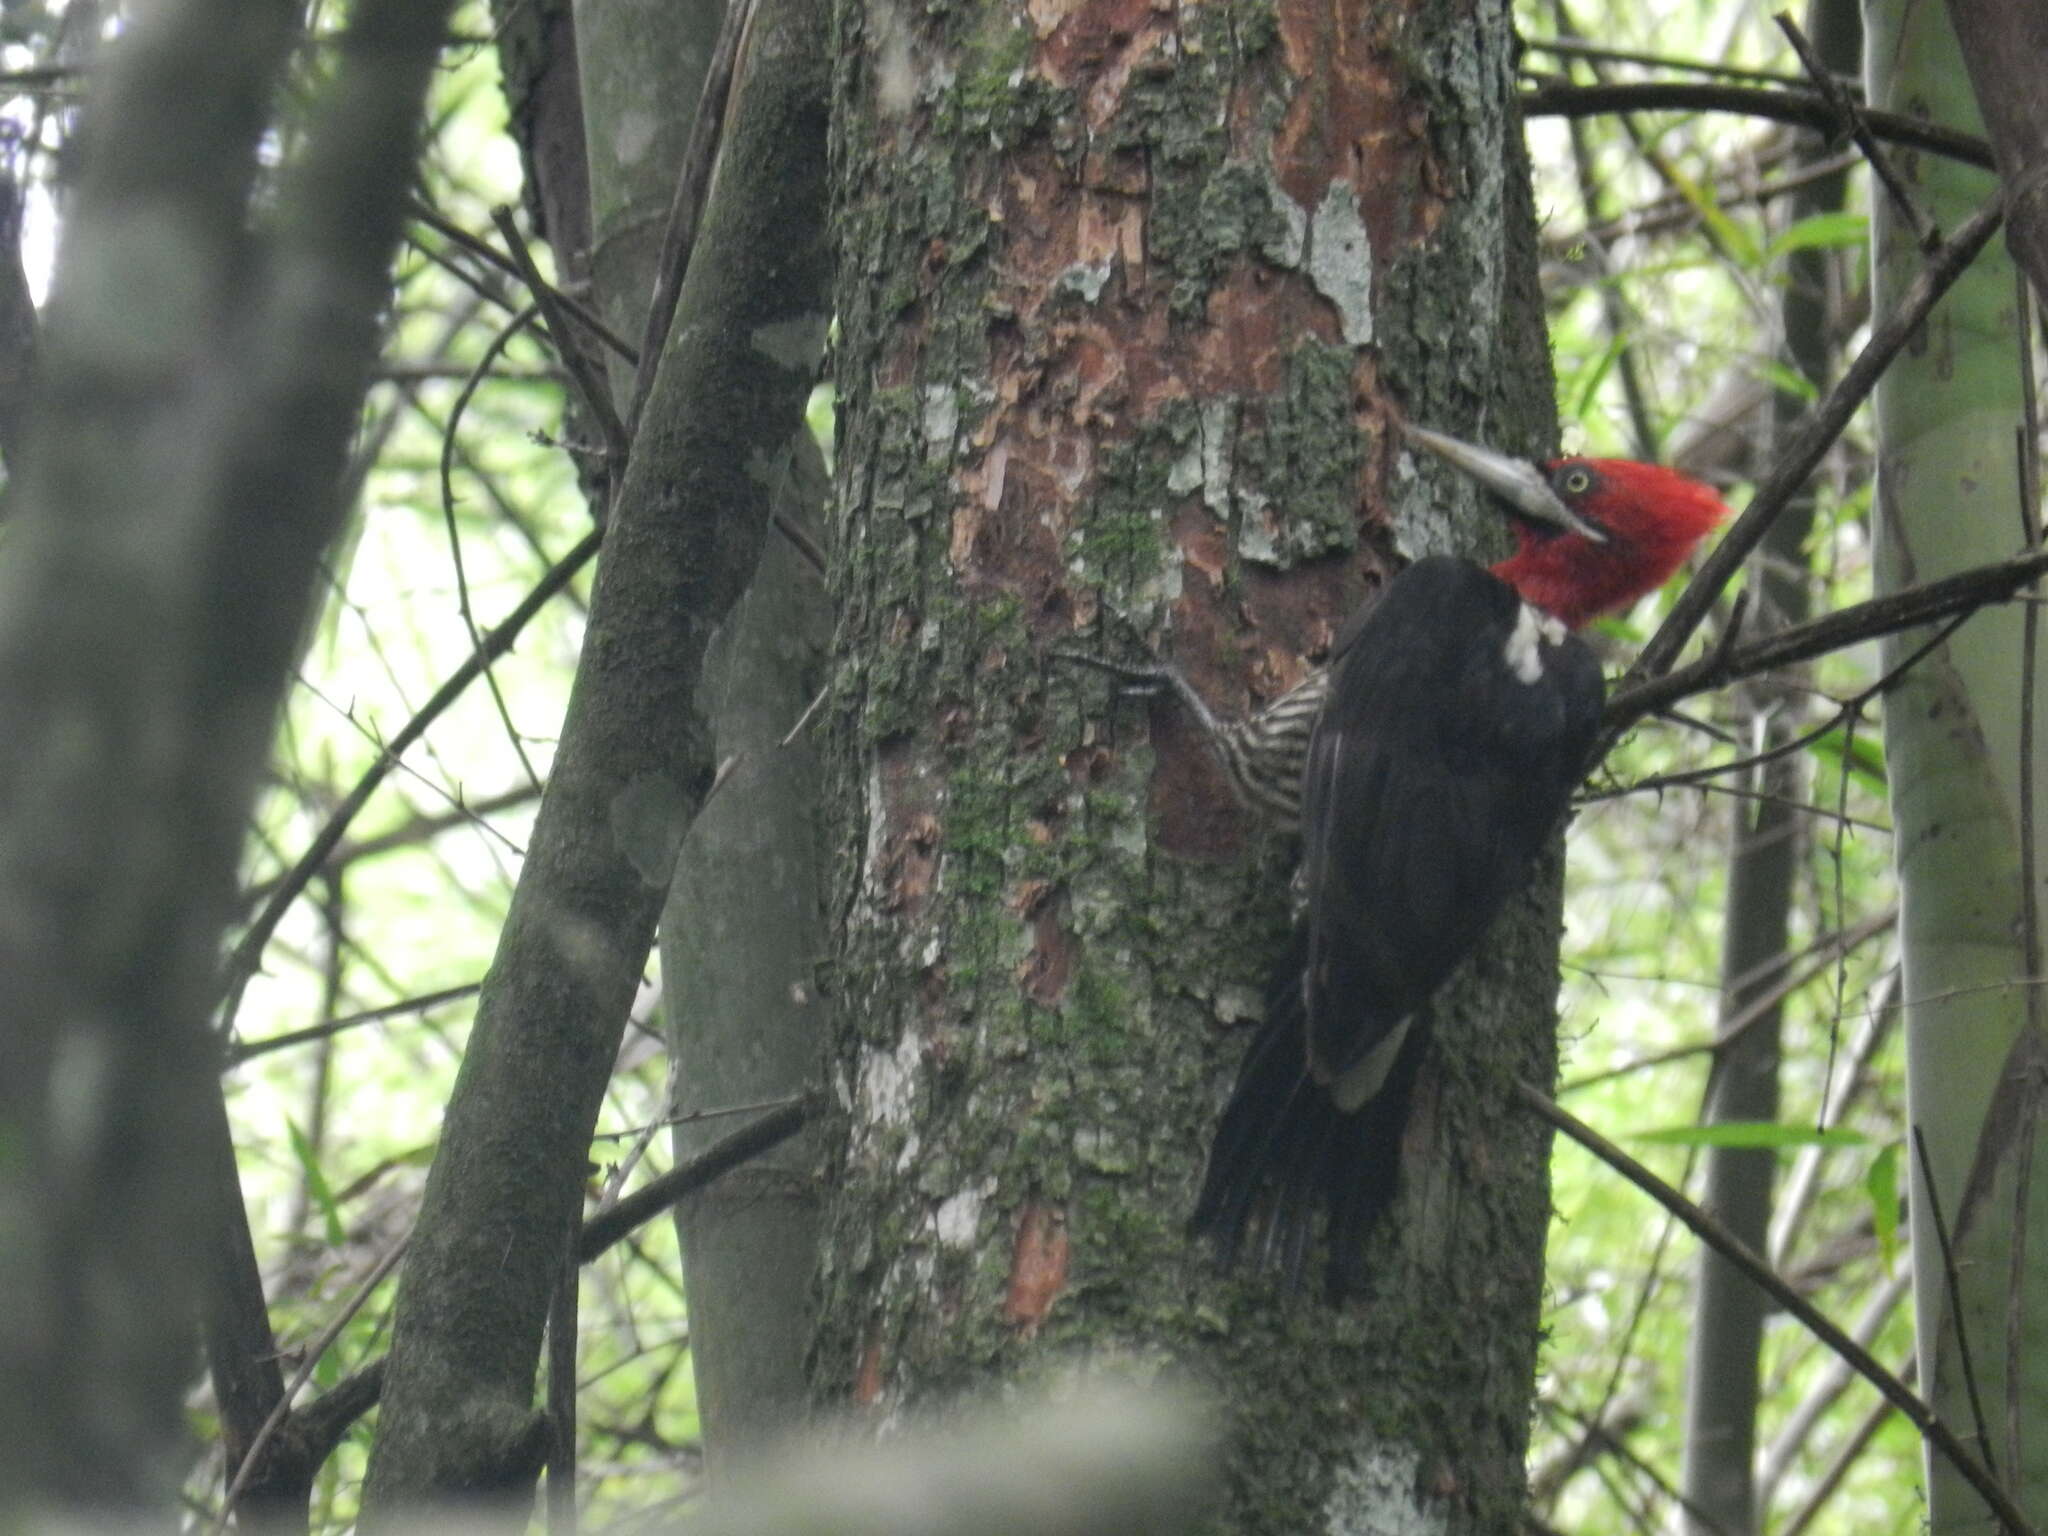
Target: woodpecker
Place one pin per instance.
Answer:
(1424, 767)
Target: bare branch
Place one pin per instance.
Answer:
(1710, 1231)
(1806, 109)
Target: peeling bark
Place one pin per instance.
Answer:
(1128, 297)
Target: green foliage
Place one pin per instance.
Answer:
(1663, 294)
(1658, 295)
(1765, 1135)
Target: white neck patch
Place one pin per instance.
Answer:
(1534, 629)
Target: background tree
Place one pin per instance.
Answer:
(1957, 444)
(176, 489)
(1768, 832)
(397, 813)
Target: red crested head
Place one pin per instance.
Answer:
(1652, 518)
(1592, 535)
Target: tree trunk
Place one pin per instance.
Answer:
(177, 493)
(1964, 780)
(741, 939)
(635, 760)
(1724, 1368)
(1127, 298)
(743, 930)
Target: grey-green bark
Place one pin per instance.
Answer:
(206, 357)
(2003, 43)
(634, 764)
(1948, 495)
(742, 932)
(642, 65)
(537, 61)
(1122, 317)
(738, 955)
(742, 939)
(1724, 1367)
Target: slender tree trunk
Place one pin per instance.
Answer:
(742, 937)
(1965, 781)
(1724, 1368)
(1127, 297)
(635, 761)
(641, 68)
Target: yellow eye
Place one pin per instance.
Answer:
(1577, 482)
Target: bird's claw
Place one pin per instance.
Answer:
(1146, 681)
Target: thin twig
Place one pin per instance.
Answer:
(1805, 109)
(1846, 714)
(2029, 436)
(1790, 1443)
(315, 1352)
(698, 1116)
(804, 719)
(328, 1028)
(1661, 214)
(595, 1236)
(1851, 114)
(800, 540)
(657, 1195)
(1951, 597)
(1952, 1283)
(1704, 780)
(1839, 1093)
(248, 952)
(1838, 1469)
(1614, 313)
(2018, 1265)
(1577, 48)
(693, 184)
(574, 307)
(2030, 628)
(1710, 1231)
(468, 391)
(1810, 443)
(1839, 943)
(1619, 1449)
(590, 386)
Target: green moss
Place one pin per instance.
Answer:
(1255, 26)
(1099, 1009)
(1298, 469)
(1206, 208)
(1121, 546)
(994, 92)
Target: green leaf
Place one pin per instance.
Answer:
(1751, 1133)
(1732, 236)
(1788, 381)
(1823, 232)
(316, 1184)
(1591, 378)
(1882, 1182)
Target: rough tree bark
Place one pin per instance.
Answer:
(1127, 297)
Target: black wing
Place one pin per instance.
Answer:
(1435, 774)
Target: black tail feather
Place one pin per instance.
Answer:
(1284, 1149)
(1363, 1173)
